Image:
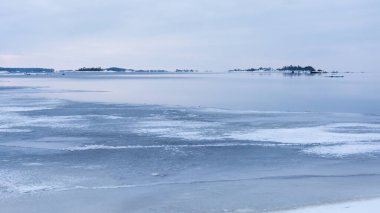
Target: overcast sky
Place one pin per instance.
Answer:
(200, 34)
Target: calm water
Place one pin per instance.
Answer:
(187, 142)
(356, 92)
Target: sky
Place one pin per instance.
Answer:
(212, 35)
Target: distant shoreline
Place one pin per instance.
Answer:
(290, 68)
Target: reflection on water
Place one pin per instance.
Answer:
(356, 92)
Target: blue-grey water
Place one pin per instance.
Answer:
(109, 142)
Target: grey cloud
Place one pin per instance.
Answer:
(208, 34)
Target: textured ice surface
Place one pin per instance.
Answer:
(345, 149)
(184, 129)
(53, 143)
(314, 135)
(97, 156)
(31, 182)
(347, 135)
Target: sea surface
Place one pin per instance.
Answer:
(195, 142)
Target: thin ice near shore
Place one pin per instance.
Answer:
(362, 206)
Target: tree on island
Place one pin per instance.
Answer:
(252, 69)
(297, 68)
(26, 70)
(116, 69)
(90, 69)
